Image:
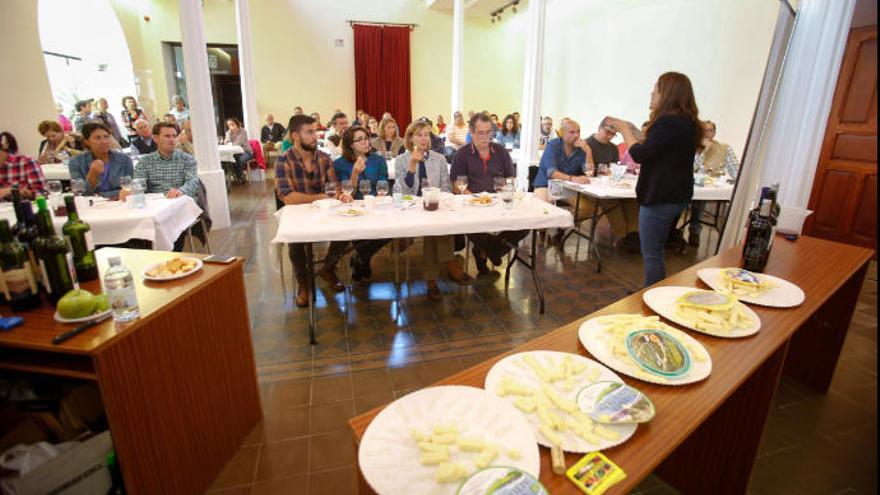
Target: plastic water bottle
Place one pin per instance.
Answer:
(119, 285)
(397, 194)
(700, 176)
(138, 194)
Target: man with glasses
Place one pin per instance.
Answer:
(481, 162)
(604, 151)
(300, 177)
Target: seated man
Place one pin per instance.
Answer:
(338, 125)
(18, 169)
(604, 151)
(271, 135)
(300, 175)
(717, 159)
(100, 168)
(482, 161)
(167, 170)
(143, 142)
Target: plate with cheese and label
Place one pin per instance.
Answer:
(429, 441)
(612, 339)
(705, 311)
(753, 288)
(544, 385)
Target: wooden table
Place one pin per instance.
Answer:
(705, 436)
(179, 384)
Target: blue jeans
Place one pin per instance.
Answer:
(655, 223)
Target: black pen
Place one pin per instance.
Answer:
(60, 338)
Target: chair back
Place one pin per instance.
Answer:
(258, 153)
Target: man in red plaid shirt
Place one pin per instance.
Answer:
(18, 169)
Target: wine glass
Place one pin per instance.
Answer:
(347, 187)
(77, 187)
(506, 194)
(125, 184)
(382, 188)
(330, 189)
(603, 169)
(589, 169)
(366, 187)
(54, 188)
(461, 183)
(499, 183)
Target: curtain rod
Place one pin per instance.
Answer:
(398, 24)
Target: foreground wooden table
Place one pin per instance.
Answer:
(705, 436)
(178, 385)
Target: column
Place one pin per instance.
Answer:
(457, 58)
(246, 65)
(198, 82)
(533, 79)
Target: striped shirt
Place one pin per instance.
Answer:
(291, 175)
(24, 171)
(179, 171)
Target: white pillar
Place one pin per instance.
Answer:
(246, 72)
(198, 83)
(533, 80)
(457, 101)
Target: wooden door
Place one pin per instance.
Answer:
(844, 196)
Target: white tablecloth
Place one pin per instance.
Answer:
(228, 152)
(604, 189)
(308, 223)
(162, 221)
(55, 171)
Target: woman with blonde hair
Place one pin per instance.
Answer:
(389, 141)
(57, 146)
(417, 166)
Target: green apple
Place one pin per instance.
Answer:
(103, 303)
(77, 303)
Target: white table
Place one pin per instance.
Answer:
(228, 151)
(309, 224)
(55, 171)
(162, 221)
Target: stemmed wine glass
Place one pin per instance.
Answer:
(347, 188)
(330, 189)
(382, 188)
(461, 183)
(366, 188)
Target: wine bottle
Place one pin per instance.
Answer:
(16, 276)
(79, 236)
(53, 255)
(26, 234)
(759, 238)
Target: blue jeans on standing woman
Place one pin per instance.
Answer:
(655, 223)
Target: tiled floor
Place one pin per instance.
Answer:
(374, 347)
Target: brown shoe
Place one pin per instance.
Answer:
(329, 276)
(456, 274)
(302, 294)
(433, 290)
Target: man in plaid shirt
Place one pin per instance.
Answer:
(300, 174)
(18, 169)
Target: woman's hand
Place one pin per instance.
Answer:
(359, 166)
(414, 158)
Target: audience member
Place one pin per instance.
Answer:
(300, 177)
(131, 114)
(169, 118)
(496, 127)
(320, 125)
(237, 135)
(298, 110)
(389, 142)
(333, 140)
(417, 165)
(184, 139)
(66, 124)
(101, 167)
(508, 135)
(359, 163)
(441, 125)
(83, 115)
(373, 126)
(604, 151)
(361, 119)
(179, 110)
(58, 146)
(717, 159)
(143, 141)
(482, 161)
(456, 135)
(102, 115)
(18, 169)
(271, 135)
(546, 132)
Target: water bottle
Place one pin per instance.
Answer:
(397, 194)
(119, 285)
(138, 194)
(700, 176)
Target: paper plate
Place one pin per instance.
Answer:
(595, 337)
(351, 212)
(84, 319)
(470, 201)
(389, 456)
(662, 301)
(515, 368)
(147, 268)
(782, 294)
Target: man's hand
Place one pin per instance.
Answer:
(581, 144)
(580, 179)
(345, 198)
(96, 167)
(173, 193)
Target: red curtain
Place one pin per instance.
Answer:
(381, 70)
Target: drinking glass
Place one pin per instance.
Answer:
(330, 189)
(461, 183)
(507, 196)
(54, 189)
(125, 184)
(603, 169)
(347, 187)
(554, 190)
(77, 187)
(589, 169)
(366, 187)
(499, 183)
(382, 188)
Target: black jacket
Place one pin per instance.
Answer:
(667, 160)
(142, 147)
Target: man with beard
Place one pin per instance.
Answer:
(300, 175)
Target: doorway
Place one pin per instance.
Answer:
(227, 99)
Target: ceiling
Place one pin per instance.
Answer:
(475, 7)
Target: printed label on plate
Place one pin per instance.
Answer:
(708, 298)
(658, 352)
(615, 403)
(742, 275)
(497, 480)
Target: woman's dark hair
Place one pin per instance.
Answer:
(677, 98)
(125, 99)
(91, 127)
(49, 125)
(515, 129)
(348, 141)
(235, 120)
(11, 143)
(158, 126)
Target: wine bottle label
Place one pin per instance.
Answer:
(90, 243)
(45, 276)
(71, 269)
(19, 283)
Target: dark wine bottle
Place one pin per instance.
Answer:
(17, 281)
(759, 239)
(26, 234)
(79, 236)
(53, 255)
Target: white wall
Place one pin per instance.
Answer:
(603, 58)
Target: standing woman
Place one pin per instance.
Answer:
(101, 114)
(666, 154)
(389, 141)
(131, 113)
(237, 135)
